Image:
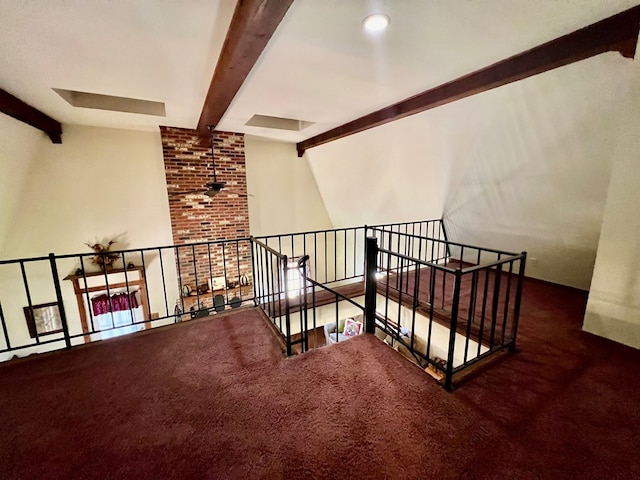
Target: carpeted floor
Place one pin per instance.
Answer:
(216, 399)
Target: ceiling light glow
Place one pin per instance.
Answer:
(376, 23)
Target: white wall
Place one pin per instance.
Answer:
(532, 163)
(19, 144)
(99, 184)
(524, 167)
(393, 173)
(285, 196)
(613, 309)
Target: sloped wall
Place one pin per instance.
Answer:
(613, 309)
(284, 196)
(532, 166)
(19, 146)
(393, 173)
(99, 184)
(524, 167)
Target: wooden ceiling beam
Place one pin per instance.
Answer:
(16, 108)
(252, 25)
(618, 33)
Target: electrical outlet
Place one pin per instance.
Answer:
(533, 261)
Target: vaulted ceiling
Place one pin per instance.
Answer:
(319, 67)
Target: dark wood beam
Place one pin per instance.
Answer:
(16, 108)
(618, 33)
(252, 25)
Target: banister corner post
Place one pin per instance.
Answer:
(371, 284)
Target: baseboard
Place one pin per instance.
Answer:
(612, 328)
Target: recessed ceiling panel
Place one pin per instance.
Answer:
(137, 49)
(110, 102)
(280, 123)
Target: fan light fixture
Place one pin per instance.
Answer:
(214, 188)
(376, 23)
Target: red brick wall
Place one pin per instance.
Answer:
(198, 218)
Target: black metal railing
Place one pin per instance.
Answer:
(270, 287)
(323, 307)
(58, 301)
(14, 279)
(446, 304)
(296, 304)
(336, 255)
(425, 240)
(450, 315)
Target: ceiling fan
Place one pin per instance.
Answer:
(211, 189)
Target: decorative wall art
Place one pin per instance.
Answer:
(45, 319)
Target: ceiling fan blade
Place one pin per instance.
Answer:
(209, 192)
(240, 194)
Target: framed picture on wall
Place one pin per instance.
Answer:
(45, 319)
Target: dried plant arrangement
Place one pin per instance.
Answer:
(103, 258)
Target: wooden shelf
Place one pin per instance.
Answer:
(73, 276)
(206, 298)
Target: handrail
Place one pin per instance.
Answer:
(361, 227)
(268, 248)
(148, 249)
(18, 260)
(334, 292)
(448, 242)
(502, 261)
(128, 250)
(433, 220)
(421, 262)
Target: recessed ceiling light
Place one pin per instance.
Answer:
(376, 23)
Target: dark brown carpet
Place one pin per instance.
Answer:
(216, 399)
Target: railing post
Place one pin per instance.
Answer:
(252, 243)
(516, 307)
(446, 238)
(453, 329)
(287, 307)
(371, 284)
(304, 326)
(63, 315)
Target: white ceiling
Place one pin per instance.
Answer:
(158, 50)
(319, 66)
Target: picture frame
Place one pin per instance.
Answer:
(217, 283)
(45, 320)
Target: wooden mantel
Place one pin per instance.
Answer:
(135, 279)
